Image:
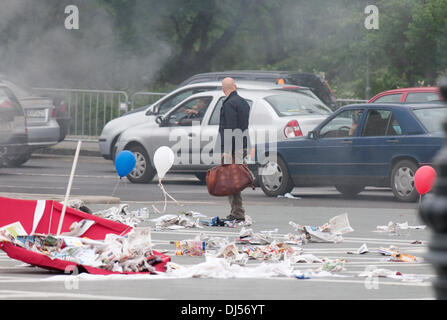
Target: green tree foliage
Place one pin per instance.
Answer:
(154, 45)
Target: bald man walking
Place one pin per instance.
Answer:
(234, 115)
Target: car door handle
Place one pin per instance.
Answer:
(392, 140)
(346, 142)
(192, 135)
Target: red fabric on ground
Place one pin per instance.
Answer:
(13, 210)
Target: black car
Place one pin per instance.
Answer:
(311, 80)
(13, 132)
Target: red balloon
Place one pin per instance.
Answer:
(424, 179)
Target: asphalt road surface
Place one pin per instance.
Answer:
(48, 175)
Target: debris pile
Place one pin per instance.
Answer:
(128, 253)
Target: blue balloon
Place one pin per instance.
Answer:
(124, 163)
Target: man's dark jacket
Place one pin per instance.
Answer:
(234, 114)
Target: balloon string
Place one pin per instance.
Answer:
(116, 187)
(166, 195)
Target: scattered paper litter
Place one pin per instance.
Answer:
(219, 268)
(194, 214)
(372, 271)
(122, 214)
(289, 196)
(329, 232)
(247, 236)
(336, 265)
(305, 258)
(77, 204)
(77, 229)
(362, 250)
(129, 253)
(173, 222)
(395, 227)
(395, 255)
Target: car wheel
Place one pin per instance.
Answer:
(349, 191)
(402, 181)
(143, 171)
(17, 161)
(275, 179)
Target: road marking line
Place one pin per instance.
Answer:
(35, 188)
(14, 294)
(59, 175)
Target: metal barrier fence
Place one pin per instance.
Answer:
(90, 110)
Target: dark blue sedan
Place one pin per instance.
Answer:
(380, 145)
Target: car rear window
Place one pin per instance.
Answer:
(432, 118)
(422, 97)
(296, 104)
(389, 98)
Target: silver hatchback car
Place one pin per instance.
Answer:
(113, 129)
(280, 113)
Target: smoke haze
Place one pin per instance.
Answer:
(40, 52)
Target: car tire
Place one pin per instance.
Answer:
(349, 191)
(402, 181)
(17, 161)
(279, 182)
(143, 172)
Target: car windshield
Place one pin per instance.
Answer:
(432, 118)
(296, 104)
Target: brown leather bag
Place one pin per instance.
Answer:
(228, 179)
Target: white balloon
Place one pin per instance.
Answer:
(163, 160)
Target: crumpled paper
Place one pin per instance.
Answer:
(174, 222)
(122, 214)
(362, 250)
(247, 236)
(275, 251)
(328, 232)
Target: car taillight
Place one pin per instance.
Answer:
(53, 112)
(6, 104)
(292, 129)
(26, 126)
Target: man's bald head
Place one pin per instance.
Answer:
(228, 86)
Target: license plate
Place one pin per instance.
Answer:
(5, 126)
(38, 114)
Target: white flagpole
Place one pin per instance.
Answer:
(70, 181)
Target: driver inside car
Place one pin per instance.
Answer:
(195, 113)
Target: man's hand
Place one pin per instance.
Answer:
(191, 111)
(227, 158)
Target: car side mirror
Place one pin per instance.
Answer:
(159, 120)
(313, 134)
